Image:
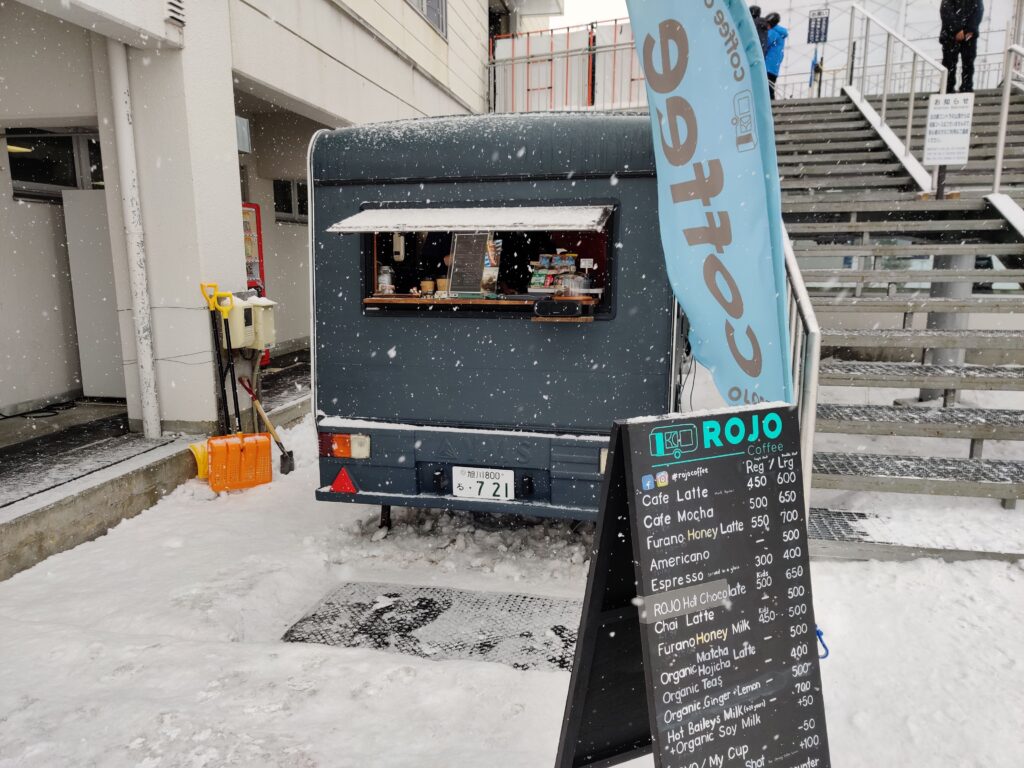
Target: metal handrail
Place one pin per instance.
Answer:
(891, 36)
(804, 356)
(1004, 114)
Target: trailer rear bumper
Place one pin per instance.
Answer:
(554, 476)
(453, 503)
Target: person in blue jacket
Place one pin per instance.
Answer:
(961, 20)
(777, 35)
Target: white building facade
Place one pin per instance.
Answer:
(71, 73)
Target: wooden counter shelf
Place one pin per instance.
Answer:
(422, 301)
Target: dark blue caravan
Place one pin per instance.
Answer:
(489, 295)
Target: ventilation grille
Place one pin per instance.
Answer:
(176, 12)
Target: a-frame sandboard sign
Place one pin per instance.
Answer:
(697, 639)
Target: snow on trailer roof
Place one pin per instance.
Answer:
(563, 218)
(478, 148)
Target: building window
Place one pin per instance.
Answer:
(291, 202)
(44, 163)
(434, 11)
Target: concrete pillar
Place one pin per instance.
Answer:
(183, 104)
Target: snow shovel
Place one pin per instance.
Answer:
(287, 457)
(218, 317)
(231, 461)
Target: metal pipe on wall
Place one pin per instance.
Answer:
(131, 208)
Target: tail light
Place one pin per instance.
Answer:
(341, 446)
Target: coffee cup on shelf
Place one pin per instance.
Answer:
(442, 283)
(427, 286)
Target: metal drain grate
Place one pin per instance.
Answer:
(523, 631)
(835, 525)
(919, 467)
(888, 414)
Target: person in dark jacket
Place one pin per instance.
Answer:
(761, 25)
(961, 20)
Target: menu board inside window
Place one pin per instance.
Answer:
(471, 271)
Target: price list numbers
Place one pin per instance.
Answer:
(723, 574)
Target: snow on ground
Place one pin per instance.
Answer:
(158, 645)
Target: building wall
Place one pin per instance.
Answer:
(39, 360)
(45, 71)
(38, 344)
(334, 62)
(139, 23)
(280, 143)
(361, 61)
(329, 63)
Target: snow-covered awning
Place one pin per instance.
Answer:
(559, 218)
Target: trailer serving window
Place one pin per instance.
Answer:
(551, 263)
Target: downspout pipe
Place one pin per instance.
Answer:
(135, 243)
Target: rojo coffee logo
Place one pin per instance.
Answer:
(675, 441)
(743, 120)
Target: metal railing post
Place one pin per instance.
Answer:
(805, 350)
(888, 73)
(912, 95)
(864, 55)
(1004, 114)
(851, 50)
(943, 77)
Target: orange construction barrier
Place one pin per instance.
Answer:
(238, 461)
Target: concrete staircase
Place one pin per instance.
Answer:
(871, 251)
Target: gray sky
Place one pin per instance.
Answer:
(583, 11)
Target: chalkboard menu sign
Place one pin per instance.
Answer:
(698, 638)
(469, 263)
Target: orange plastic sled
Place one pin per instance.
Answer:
(238, 461)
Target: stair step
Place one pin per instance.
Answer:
(841, 534)
(801, 118)
(827, 104)
(895, 227)
(982, 95)
(898, 338)
(880, 195)
(919, 250)
(983, 116)
(983, 179)
(981, 166)
(919, 303)
(861, 182)
(793, 139)
(886, 276)
(887, 206)
(833, 146)
(986, 153)
(789, 170)
(892, 421)
(859, 128)
(913, 376)
(981, 131)
(913, 474)
(791, 157)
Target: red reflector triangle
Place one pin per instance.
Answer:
(343, 483)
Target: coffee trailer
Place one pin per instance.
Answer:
(500, 398)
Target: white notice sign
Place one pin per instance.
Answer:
(947, 139)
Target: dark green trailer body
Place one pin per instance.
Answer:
(435, 391)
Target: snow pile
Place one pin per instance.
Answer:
(159, 645)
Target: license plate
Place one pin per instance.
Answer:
(480, 483)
